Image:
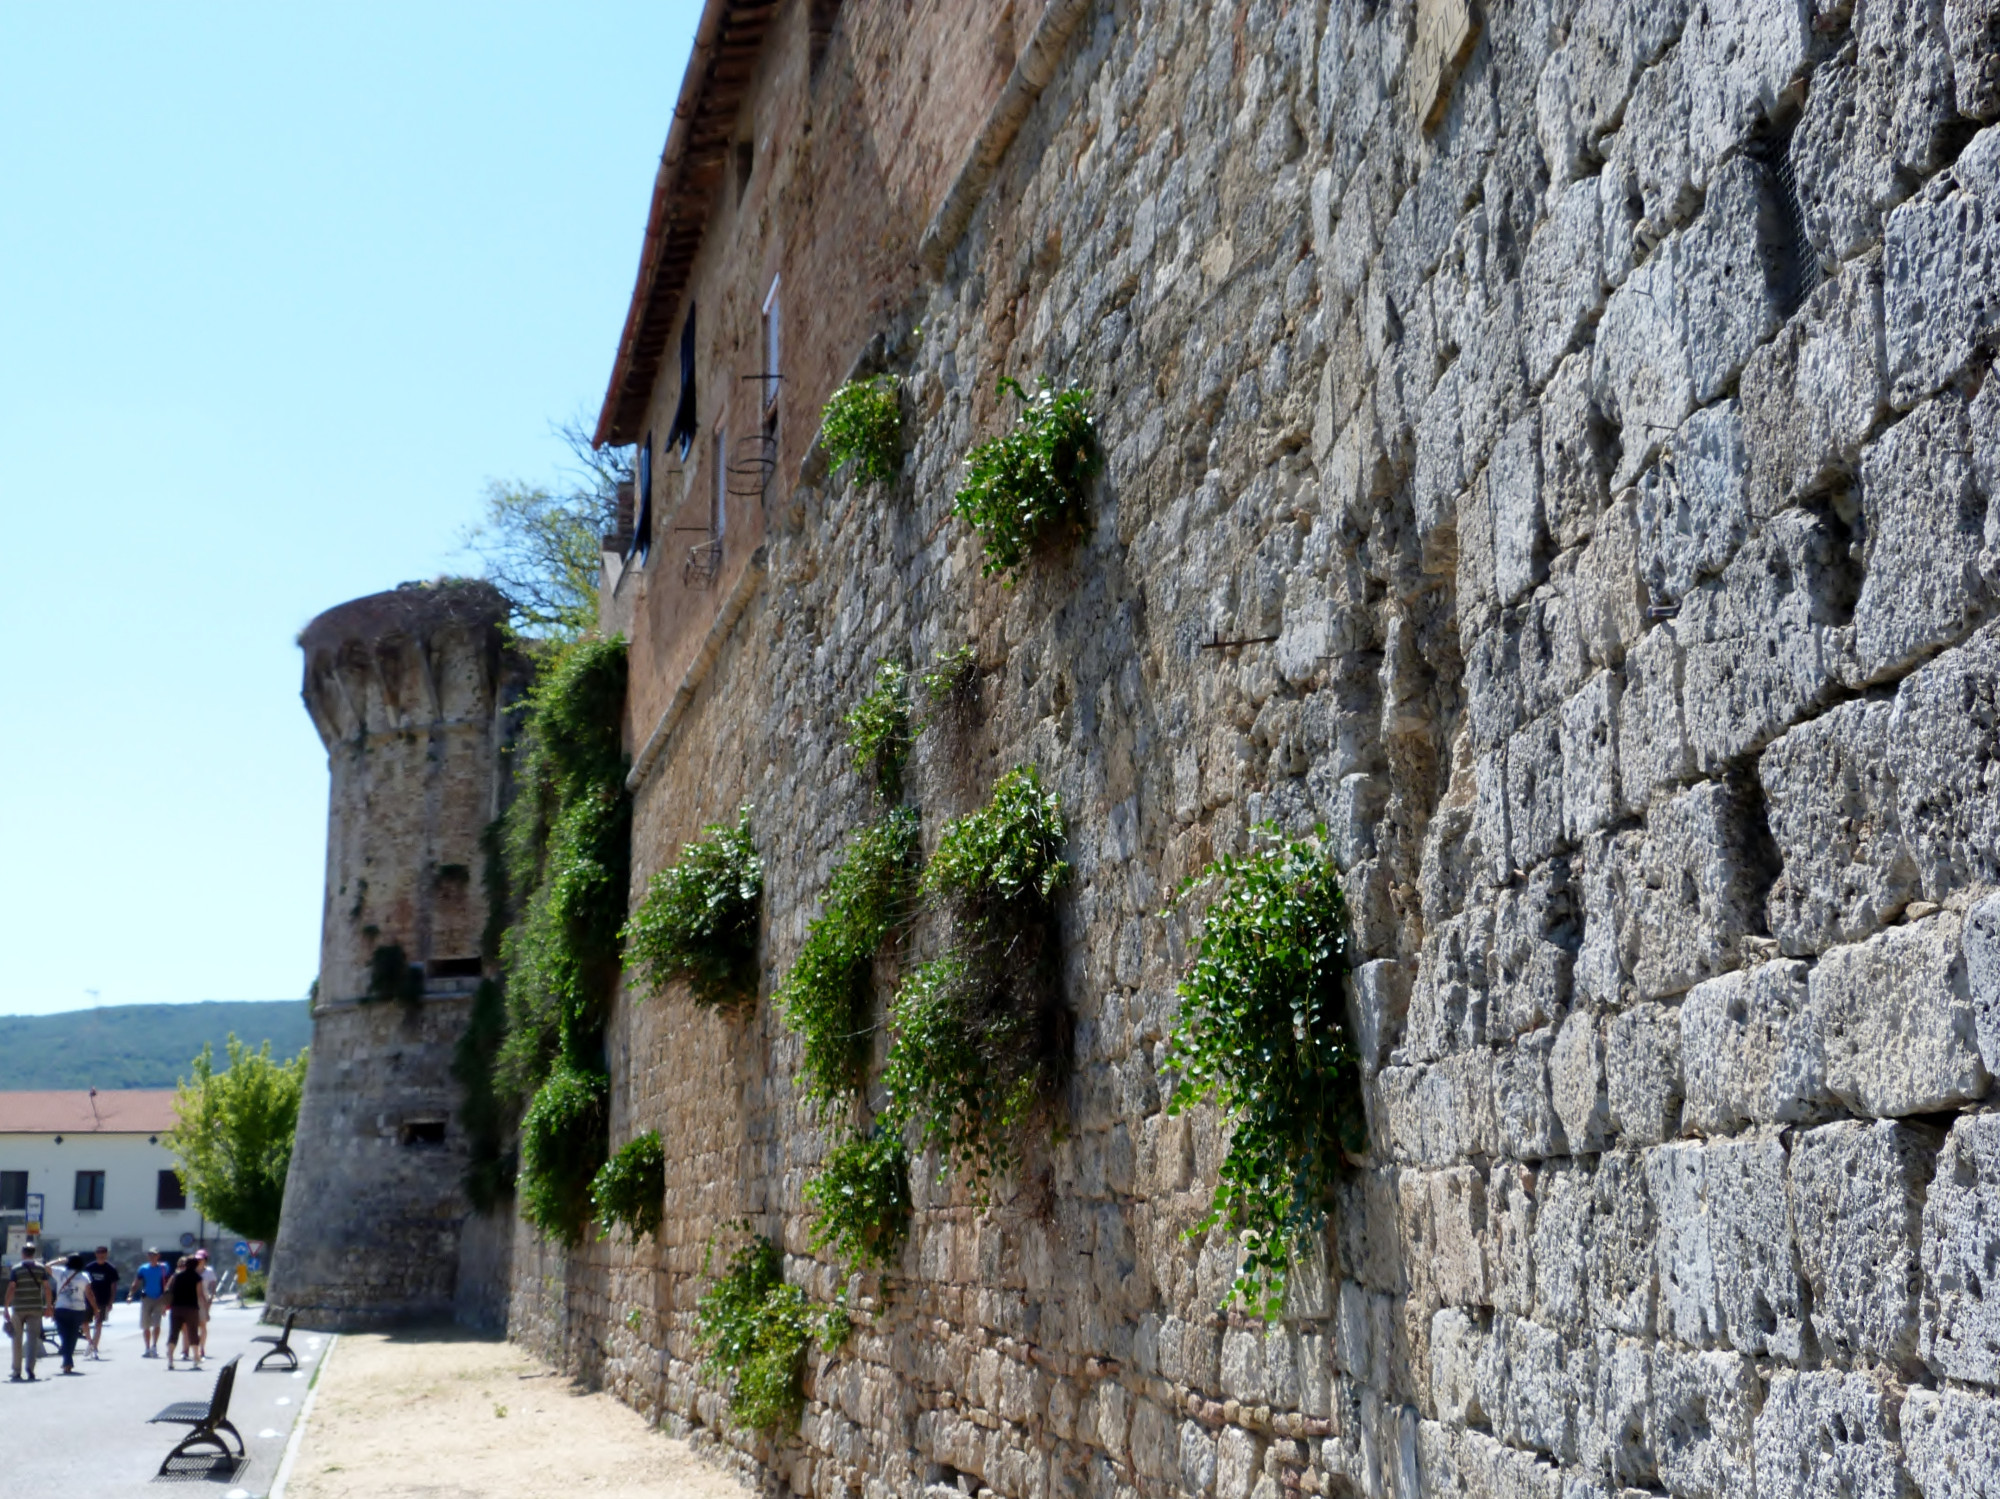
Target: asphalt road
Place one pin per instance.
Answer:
(88, 1435)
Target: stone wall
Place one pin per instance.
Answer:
(1605, 478)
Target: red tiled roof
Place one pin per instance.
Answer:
(120, 1111)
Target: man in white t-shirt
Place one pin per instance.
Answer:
(208, 1295)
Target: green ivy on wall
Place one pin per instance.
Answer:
(698, 920)
(564, 1138)
(752, 1330)
(1028, 484)
(1263, 1032)
(630, 1189)
(860, 1198)
(862, 424)
(824, 995)
(878, 730)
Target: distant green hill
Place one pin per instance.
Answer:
(139, 1046)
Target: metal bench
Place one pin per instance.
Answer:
(209, 1418)
(281, 1343)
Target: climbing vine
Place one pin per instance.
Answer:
(824, 996)
(630, 1189)
(698, 921)
(862, 424)
(1028, 483)
(878, 730)
(860, 1198)
(563, 1142)
(1263, 1033)
(975, 1034)
(752, 1330)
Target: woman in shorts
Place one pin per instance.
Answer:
(184, 1313)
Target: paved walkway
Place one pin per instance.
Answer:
(88, 1435)
(447, 1414)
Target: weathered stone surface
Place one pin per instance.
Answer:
(1700, 1423)
(1960, 1321)
(1944, 756)
(1939, 255)
(1621, 1250)
(1858, 1201)
(1693, 509)
(1831, 805)
(1561, 280)
(1576, 454)
(1895, 1016)
(1654, 751)
(1951, 1443)
(1873, 124)
(1812, 395)
(1740, 61)
(1926, 585)
(1703, 869)
(1726, 1268)
(1576, 1082)
(1589, 740)
(1982, 977)
(1829, 1433)
(1642, 1074)
(1752, 1050)
(1973, 29)
(1520, 531)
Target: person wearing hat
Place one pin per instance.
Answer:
(26, 1303)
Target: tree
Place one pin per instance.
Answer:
(233, 1136)
(541, 545)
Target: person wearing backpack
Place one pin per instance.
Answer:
(26, 1301)
(76, 1299)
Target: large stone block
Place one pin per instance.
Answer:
(1520, 531)
(1726, 1267)
(1626, 1220)
(1529, 1126)
(1951, 1443)
(1740, 62)
(1763, 644)
(1694, 510)
(1532, 953)
(1959, 1328)
(1565, 1231)
(1896, 1018)
(1654, 751)
(1535, 792)
(1829, 1433)
(1812, 395)
(1561, 280)
(1858, 1202)
(1589, 741)
(1944, 756)
(1643, 1082)
(1874, 124)
(1982, 976)
(1701, 1423)
(1703, 870)
(1577, 455)
(1576, 1082)
(1831, 805)
(1940, 254)
(1751, 1049)
(1973, 29)
(1926, 585)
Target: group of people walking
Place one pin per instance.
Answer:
(76, 1295)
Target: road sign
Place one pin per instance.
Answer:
(33, 1203)
(187, 1241)
(242, 1250)
(254, 1262)
(256, 1248)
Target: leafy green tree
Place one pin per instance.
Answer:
(233, 1136)
(541, 543)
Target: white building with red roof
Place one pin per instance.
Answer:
(80, 1169)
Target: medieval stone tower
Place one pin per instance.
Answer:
(409, 690)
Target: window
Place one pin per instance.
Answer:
(89, 1191)
(454, 968)
(771, 345)
(680, 436)
(423, 1132)
(642, 526)
(718, 510)
(13, 1191)
(170, 1196)
(746, 163)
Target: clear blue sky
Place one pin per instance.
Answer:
(281, 287)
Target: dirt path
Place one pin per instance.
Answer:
(439, 1415)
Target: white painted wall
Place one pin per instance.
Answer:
(131, 1165)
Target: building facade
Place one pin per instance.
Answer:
(80, 1169)
(1553, 447)
(410, 691)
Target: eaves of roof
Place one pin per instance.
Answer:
(727, 44)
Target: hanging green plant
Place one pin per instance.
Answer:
(862, 424)
(1263, 1032)
(860, 1198)
(824, 996)
(976, 1035)
(392, 976)
(752, 1330)
(563, 1142)
(878, 730)
(630, 1189)
(699, 919)
(1029, 483)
